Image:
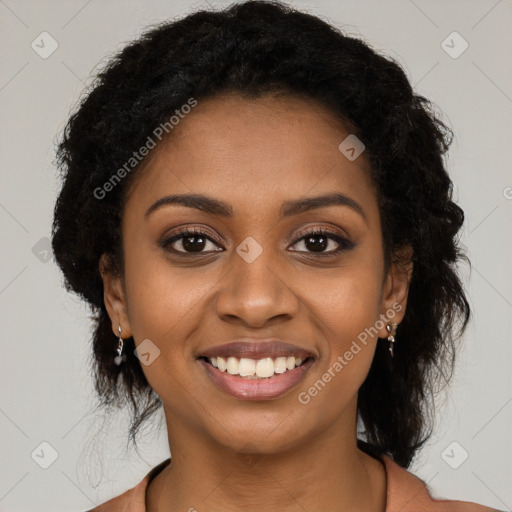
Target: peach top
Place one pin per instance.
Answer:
(405, 492)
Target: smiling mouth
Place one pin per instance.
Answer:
(256, 369)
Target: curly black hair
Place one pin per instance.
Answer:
(254, 49)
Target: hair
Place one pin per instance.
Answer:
(255, 49)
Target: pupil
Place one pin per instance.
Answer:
(316, 243)
(188, 243)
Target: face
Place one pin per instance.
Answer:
(257, 262)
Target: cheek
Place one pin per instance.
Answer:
(346, 318)
(345, 307)
(159, 297)
(165, 305)
(160, 309)
(346, 303)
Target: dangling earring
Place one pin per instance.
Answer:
(119, 359)
(391, 328)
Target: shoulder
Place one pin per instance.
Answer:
(408, 493)
(134, 499)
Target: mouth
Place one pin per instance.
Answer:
(262, 379)
(256, 369)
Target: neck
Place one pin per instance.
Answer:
(328, 472)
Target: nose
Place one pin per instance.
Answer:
(256, 293)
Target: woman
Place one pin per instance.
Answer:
(256, 206)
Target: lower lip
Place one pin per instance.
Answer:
(257, 389)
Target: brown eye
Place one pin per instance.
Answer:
(323, 242)
(189, 242)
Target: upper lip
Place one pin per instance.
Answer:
(256, 349)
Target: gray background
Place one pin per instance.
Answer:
(46, 388)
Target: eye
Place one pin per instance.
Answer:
(189, 241)
(319, 240)
(194, 241)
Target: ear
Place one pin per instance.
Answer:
(396, 288)
(114, 297)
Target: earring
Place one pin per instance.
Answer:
(391, 328)
(119, 349)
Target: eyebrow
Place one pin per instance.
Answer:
(289, 208)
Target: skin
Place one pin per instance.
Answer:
(230, 454)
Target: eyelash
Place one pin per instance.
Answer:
(343, 243)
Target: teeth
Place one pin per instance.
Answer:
(280, 365)
(265, 368)
(246, 367)
(221, 362)
(232, 365)
(255, 369)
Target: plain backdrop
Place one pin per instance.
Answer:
(46, 384)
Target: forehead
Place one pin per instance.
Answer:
(250, 151)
